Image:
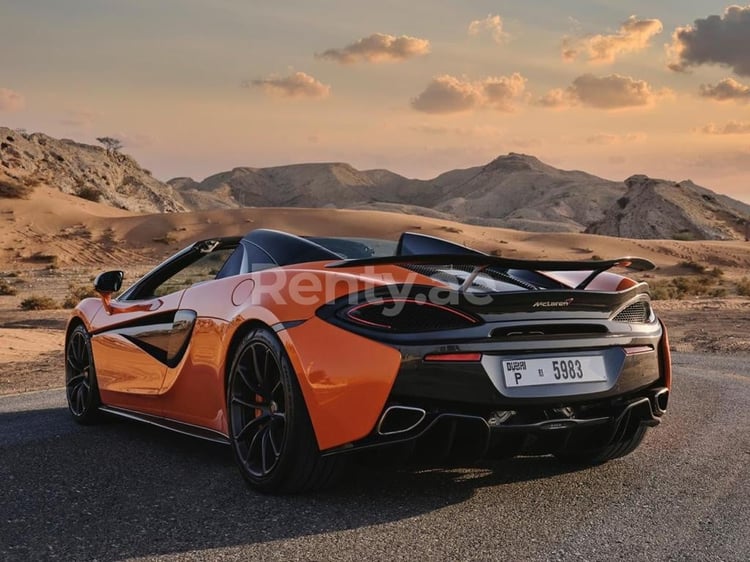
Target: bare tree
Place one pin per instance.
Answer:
(112, 144)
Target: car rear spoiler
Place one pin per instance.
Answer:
(482, 262)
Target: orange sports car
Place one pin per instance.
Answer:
(299, 352)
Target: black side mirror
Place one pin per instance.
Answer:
(108, 282)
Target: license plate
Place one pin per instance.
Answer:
(537, 371)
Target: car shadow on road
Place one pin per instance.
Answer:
(123, 489)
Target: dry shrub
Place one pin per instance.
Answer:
(32, 182)
(694, 265)
(89, 193)
(76, 293)
(662, 290)
(166, 239)
(12, 189)
(689, 286)
(743, 287)
(451, 229)
(37, 302)
(50, 259)
(6, 288)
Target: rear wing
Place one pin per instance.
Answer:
(482, 262)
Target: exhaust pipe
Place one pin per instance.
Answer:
(661, 400)
(400, 419)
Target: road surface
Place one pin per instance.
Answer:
(124, 490)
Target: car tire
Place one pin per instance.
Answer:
(269, 427)
(81, 389)
(619, 448)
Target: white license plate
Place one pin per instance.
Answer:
(522, 371)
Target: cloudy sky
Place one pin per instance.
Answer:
(195, 87)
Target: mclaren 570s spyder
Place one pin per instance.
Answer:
(301, 352)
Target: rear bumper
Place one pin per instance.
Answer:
(441, 434)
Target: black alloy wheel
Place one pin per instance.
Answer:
(81, 389)
(257, 409)
(269, 427)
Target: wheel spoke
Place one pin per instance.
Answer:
(80, 348)
(77, 379)
(247, 403)
(243, 377)
(266, 382)
(256, 363)
(79, 398)
(253, 445)
(275, 446)
(73, 359)
(264, 452)
(276, 388)
(72, 351)
(256, 368)
(249, 425)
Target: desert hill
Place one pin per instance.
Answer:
(54, 229)
(81, 169)
(298, 185)
(520, 191)
(653, 208)
(513, 191)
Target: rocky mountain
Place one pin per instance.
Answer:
(298, 185)
(513, 191)
(520, 191)
(654, 208)
(80, 169)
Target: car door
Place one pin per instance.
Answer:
(130, 345)
(142, 333)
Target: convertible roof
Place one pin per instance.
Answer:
(287, 249)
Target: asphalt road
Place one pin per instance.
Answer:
(124, 490)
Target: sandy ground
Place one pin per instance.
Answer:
(54, 241)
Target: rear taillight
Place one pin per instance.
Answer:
(407, 315)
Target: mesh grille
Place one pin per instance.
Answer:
(636, 313)
(439, 273)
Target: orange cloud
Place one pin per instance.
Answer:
(556, 98)
(448, 94)
(726, 90)
(378, 47)
(722, 40)
(297, 85)
(634, 35)
(491, 24)
(11, 101)
(603, 92)
(730, 128)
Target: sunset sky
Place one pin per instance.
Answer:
(419, 87)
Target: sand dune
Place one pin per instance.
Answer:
(71, 231)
